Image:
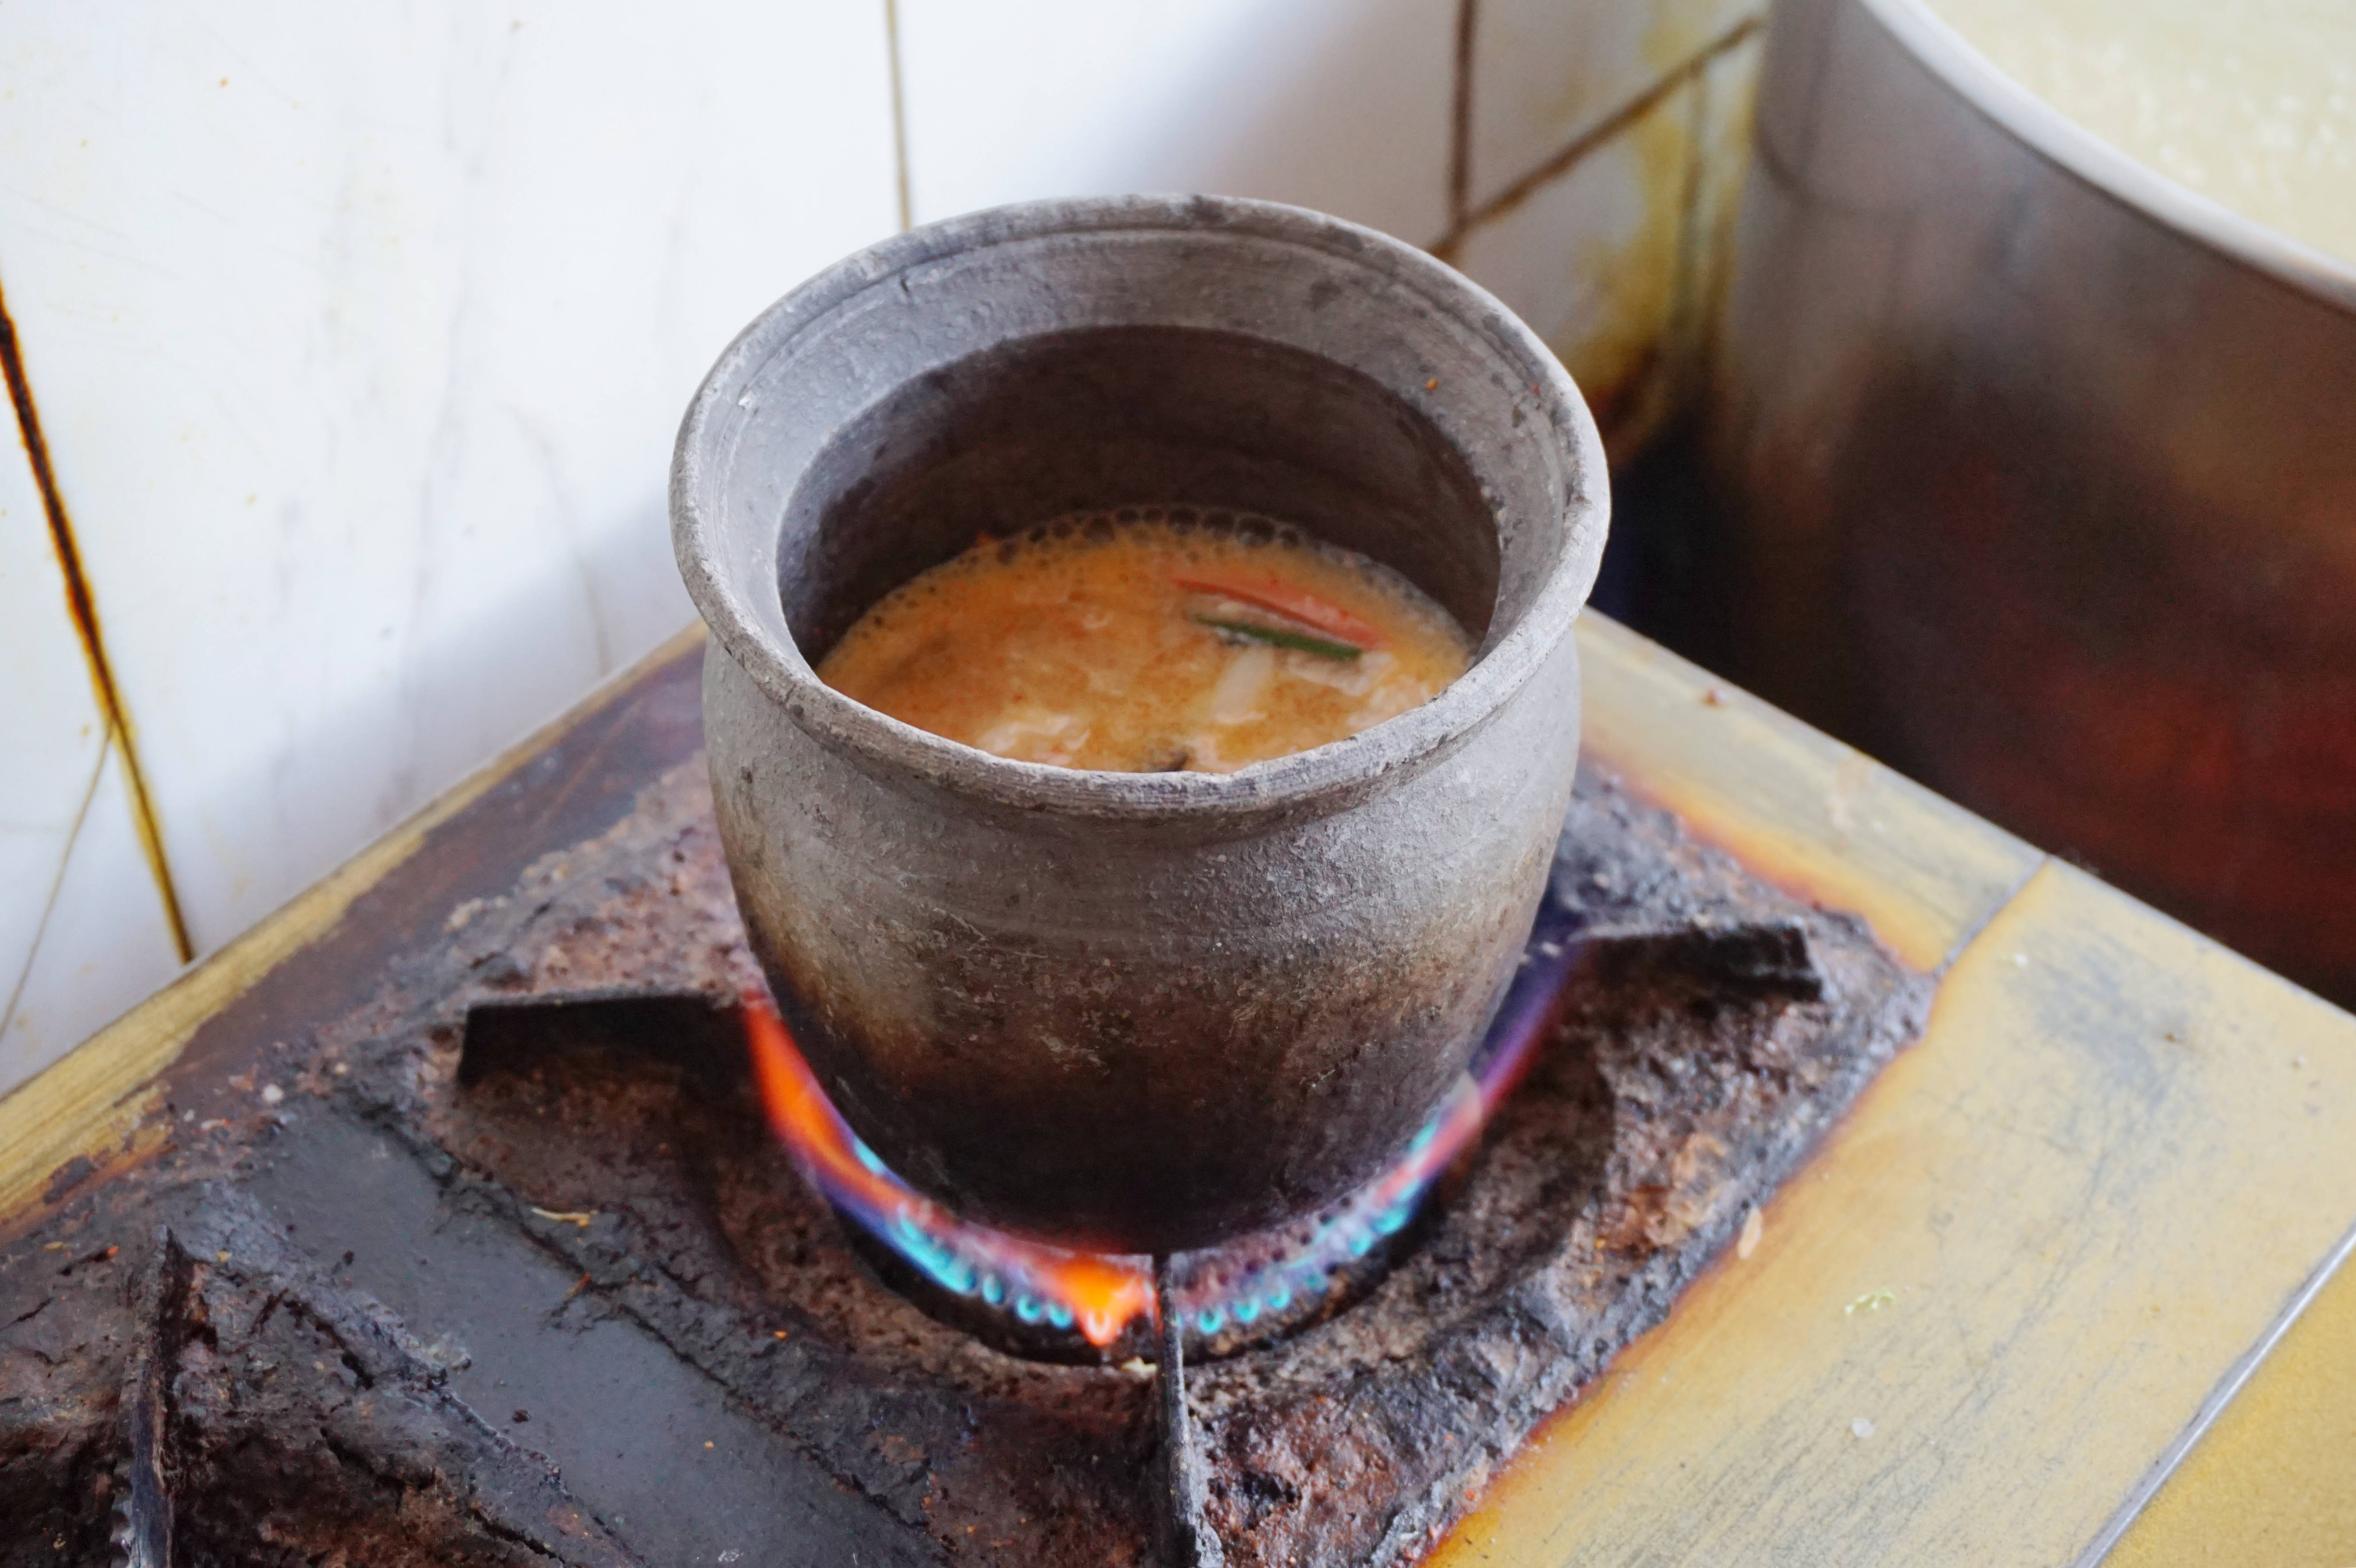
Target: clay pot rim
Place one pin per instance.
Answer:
(1328, 776)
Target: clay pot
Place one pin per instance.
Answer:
(1139, 1012)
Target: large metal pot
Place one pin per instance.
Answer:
(2045, 470)
(1136, 1011)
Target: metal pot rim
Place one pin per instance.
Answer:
(1329, 775)
(1935, 45)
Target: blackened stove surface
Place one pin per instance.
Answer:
(557, 1296)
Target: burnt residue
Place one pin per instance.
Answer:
(143, 1501)
(308, 1422)
(83, 608)
(498, 1276)
(1712, 1033)
(64, 1346)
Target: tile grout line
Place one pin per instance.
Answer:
(57, 884)
(1460, 126)
(1684, 325)
(900, 116)
(84, 611)
(1579, 146)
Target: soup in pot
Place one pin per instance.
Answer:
(1151, 644)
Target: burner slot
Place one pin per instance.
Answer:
(703, 1036)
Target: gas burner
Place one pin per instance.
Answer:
(1034, 1298)
(518, 1228)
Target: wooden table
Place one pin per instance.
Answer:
(2061, 1285)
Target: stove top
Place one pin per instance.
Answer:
(491, 1254)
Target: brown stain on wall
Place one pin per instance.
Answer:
(1635, 359)
(1460, 115)
(1728, 102)
(898, 72)
(1634, 350)
(83, 608)
(1588, 141)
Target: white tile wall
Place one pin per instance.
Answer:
(1546, 72)
(1593, 260)
(1339, 104)
(81, 926)
(360, 334)
(102, 942)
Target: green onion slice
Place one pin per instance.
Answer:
(1323, 648)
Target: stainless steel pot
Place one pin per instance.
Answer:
(1136, 1011)
(2045, 473)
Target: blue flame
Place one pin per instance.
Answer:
(1010, 1274)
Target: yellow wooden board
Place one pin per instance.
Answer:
(2273, 1483)
(1798, 806)
(2006, 1286)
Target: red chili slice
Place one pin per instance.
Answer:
(1286, 600)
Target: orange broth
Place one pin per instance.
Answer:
(1151, 645)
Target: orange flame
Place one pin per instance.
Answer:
(1102, 1294)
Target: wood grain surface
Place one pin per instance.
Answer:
(2274, 1482)
(1978, 1328)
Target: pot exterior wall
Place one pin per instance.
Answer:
(1138, 1035)
(2049, 501)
